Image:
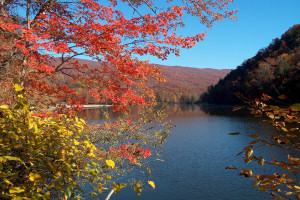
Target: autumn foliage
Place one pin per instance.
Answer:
(284, 183)
(274, 71)
(47, 29)
(39, 40)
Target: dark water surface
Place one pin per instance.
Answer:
(197, 153)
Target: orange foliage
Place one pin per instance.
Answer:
(49, 29)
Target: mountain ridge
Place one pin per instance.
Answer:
(274, 70)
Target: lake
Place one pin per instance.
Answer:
(197, 152)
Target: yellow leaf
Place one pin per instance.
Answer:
(8, 182)
(4, 107)
(92, 155)
(110, 163)
(34, 177)
(152, 184)
(16, 190)
(18, 87)
(17, 198)
(261, 161)
(256, 183)
(76, 142)
(249, 153)
(297, 187)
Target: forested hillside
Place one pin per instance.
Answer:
(274, 71)
(183, 84)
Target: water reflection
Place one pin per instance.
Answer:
(173, 110)
(197, 152)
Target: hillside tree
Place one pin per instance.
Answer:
(40, 40)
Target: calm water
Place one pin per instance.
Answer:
(197, 152)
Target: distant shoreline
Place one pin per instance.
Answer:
(95, 106)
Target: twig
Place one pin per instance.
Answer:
(109, 195)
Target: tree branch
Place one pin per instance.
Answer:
(109, 195)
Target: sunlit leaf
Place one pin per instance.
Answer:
(152, 184)
(15, 190)
(4, 107)
(247, 160)
(138, 188)
(110, 163)
(76, 142)
(34, 177)
(297, 187)
(256, 183)
(18, 87)
(261, 162)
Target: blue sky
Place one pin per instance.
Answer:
(228, 43)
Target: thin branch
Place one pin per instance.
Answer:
(109, 195)
(69, 58)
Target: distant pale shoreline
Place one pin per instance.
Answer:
(95, 106)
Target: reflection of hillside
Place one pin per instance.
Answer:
(173, 111)
(183, 110)
(217, 110)
(97, 113)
